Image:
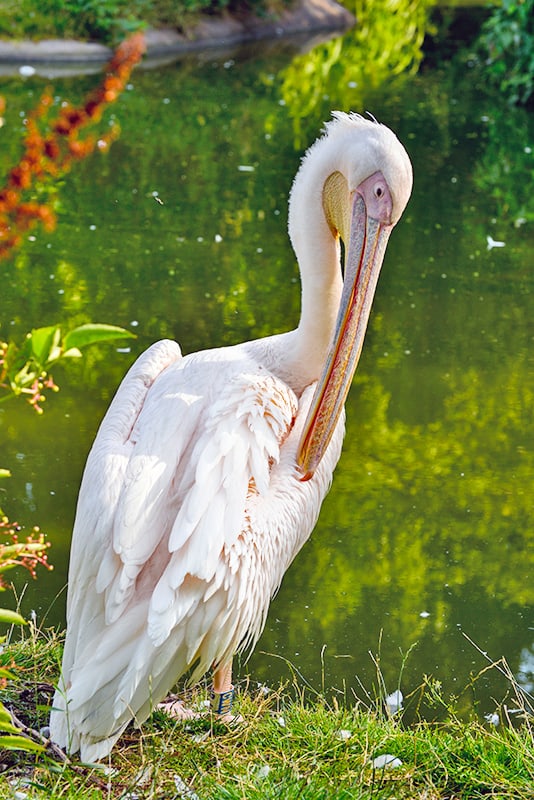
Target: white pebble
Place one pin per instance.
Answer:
(386, 761)
(263, 771)
(183, 789)
(394, 702)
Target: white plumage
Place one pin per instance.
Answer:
(198, 492)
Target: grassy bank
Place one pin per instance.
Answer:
(287, 748)
(110, 21)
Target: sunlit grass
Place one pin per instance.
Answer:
(290, 746)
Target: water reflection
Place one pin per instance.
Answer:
(427, 530)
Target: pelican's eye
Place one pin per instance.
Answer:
(379, 189)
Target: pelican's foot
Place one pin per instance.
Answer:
(177, 709)
(230, 719)
(221, 706)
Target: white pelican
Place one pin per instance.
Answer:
(208, 471)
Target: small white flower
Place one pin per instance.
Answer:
(343, 735)
(281, 721)
(493, 719)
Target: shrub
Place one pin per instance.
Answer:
(507, 44)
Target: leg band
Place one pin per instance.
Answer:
(222, 703)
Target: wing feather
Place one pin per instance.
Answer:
(234, 447)
(101, 487)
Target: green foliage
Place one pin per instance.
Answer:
(508, 44)
(505, 171)
(8, 616)
(25, 370)
(386, 43)
(103, 20)
(106, 20)
(11, 555)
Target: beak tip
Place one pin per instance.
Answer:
(306, 476)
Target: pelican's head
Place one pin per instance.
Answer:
(364, 177)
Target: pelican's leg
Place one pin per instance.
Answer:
(222, 695)
(222, 678)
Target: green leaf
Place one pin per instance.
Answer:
(20, 743)
(6, 726)
(14, 740)
(72, 352)
(92, 333)
(5, 673)
(5, 716)
(11, 617)
(44, 344)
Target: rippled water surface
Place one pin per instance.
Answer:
(427, 533)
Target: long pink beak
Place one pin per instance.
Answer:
(365, 253)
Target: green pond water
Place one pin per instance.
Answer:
(427, 533)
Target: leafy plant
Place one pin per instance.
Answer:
(507, 43)
(53, 143)
(14, 553)
(104, 20)
(25, 369)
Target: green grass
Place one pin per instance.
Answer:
(288, 748)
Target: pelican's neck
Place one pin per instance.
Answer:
(318, 256)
